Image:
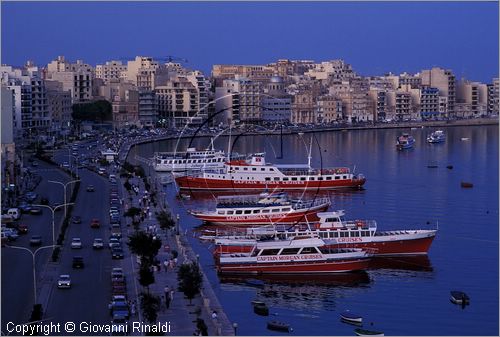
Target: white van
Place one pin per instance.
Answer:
(14, 213)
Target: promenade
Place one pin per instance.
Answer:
(181, 315)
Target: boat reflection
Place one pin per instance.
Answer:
(411, 263)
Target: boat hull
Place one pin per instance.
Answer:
(200, 183)
(380, 245)
(308, 267)
(294, 217)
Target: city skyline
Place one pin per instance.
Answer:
(390, 38)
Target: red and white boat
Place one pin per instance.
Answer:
(255, 174)
(263, 209)
(300, 255)
(336, 232)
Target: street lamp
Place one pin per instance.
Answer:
(53, 209)
(177, 223)
(235, 327)
(33, 254)
(64, 185)
(76, 162)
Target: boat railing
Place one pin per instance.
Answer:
(301, 204)
(361, 224)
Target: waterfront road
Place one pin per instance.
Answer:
(17, 269)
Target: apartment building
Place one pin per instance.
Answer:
(474, 93)
(444, 80)
(329, 109)
(331, 71)
(429, 103)
(378, 103)
(276, 103)
(59, 102)
(146, 73)
(256, 73)
(75, 77)
(111, 71)
(148, 109)
(493, 97)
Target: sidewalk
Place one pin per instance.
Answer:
(181, 315)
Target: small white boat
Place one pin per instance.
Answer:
(464, 139)
(459, 297)
(350, 317)
(437, 136)
(364, 332)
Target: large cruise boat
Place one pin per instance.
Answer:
(255, 174)
(335, 231)
(299, 255)
(263, 209)
(190, 160)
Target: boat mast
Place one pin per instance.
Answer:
(309, 154)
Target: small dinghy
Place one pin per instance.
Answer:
(449, 167)
(261, 309)
(364, 332)
(432, 164)
(350, 317)
(279, 326)
(459, 297)
(255, 302)
(465, 184)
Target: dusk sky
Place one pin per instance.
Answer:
(374, 37)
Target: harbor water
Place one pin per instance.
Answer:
(399, 296)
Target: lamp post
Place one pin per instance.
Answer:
(235, 327)
(76, 162)
(33, 254)
(64, 186)
(177, 223)
(53, 209)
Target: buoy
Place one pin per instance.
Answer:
(466, 184)
(450, 167)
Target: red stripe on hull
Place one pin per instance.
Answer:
(196, 183)
(397, 247)
(320, 267)
(288, 218)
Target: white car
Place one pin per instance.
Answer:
(98, 243)
(76, 243)
(64, 281)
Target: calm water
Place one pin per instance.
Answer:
(408, 297)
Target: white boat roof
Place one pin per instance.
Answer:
(293, 166)
(296, 242)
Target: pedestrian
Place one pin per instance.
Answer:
(165, 264)
(214, 315)
(171, 294)
(175, 261)
(132, 308)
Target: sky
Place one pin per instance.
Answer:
(374, 37)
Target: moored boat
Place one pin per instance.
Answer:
(437, 136)
(264, 209)
(256, 174)
(191, 159)
(459, 297)
(365, 332)
(261, 309)
(350, 317)
(404, 141)
(279, 326)
(305, 255)
(336, 232)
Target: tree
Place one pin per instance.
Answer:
(97, 111)
(165, 220)
(190, 279)
(132, 211)
(143, 244)
(150, 305)
(146, 276)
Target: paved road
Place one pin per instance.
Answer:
(17, 277)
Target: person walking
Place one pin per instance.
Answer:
(166, 291)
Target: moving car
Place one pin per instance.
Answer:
(36, 240)
(116, 253)
(64, 281)
(95, 223)
(90, 188)
(76, 243)
(98, 243)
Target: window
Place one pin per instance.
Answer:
(302, 178)
(262, 169)
(276, 179)
(294, 179)
(220, 212)
(255, 211)
(267, 252)
(337, 177)
(271, 169)
(268, 179)
(265, 211)
(344, 177)
(355, 234)
(290, 251)
(320, 178)
(329, 178)
(275, 210)
(344, 234)
(230, 212)
(245, 169)
(285, 179)
(248, 211)
(312, 178)
(254, 169)
(308, 250)
(239, 212)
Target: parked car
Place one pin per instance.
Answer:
(114, 242)
(78, 262)
(24, 207)
(36, 240)
(76, 243)
(116, 253)
(36, 211)
(64, 281)
(95, 223)
(98, 243)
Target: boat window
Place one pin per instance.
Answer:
(230, 212)
(266, 252)
(265, 211)
(344, 177)
(337, 177)
(294, 179)
(302, 178)
(220, 212)
(239, 211)
(334, 234)
(255, 211)
(323, 235)
(237, 168)
(286, 209)
(290, 251)
(262, 169)
(275, 210)
(355, 234)
(268, 179)
(271, 169)
(365, 233)
(254, 169)
(344, 234)
(245, 169)
(248, 211)
(308, 250)
(312, 178)
(329, 178)
(256, 252)
(276, 179)
(285, 179)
